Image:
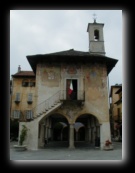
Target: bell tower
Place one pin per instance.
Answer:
(96, 37)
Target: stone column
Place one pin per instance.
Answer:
(105, 133)
(71, 136)
(41, 140)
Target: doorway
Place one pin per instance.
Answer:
(72, 95)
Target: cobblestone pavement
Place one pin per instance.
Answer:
(59, 153)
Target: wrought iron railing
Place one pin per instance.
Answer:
(75, 95)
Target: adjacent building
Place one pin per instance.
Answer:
(116, 111)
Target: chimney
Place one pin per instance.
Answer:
(19, 68)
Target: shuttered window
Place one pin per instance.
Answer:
(16, 114)
(29, 98)
(29, 114)
(17, 98)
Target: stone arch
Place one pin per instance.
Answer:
(62, 114)
(91, 126)
(87, 114)
(51, 129)
(52, 113)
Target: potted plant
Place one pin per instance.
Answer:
(108, 145)
(23, 135)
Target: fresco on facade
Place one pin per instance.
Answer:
(50, 75)
(71, 69)
(95, 76)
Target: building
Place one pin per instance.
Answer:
(116, 111)
(69, 95)
(22, 95)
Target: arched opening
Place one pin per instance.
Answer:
(78, 131)
(89, 132)
(53, 131)
(96, 35)
(81, 134)
(59, 131)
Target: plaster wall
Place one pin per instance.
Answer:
(91, 78)
(32, 134)
(24, 91)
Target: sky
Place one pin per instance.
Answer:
(46, 31)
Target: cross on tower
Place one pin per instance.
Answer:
(94, 17)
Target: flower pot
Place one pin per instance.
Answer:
(108, 147)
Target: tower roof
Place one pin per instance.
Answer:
(94, 23)
(24, 74)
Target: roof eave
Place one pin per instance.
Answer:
(35, 59)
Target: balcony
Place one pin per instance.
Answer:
(74, 96)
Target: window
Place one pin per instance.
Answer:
(16, 114)
(29, 98)
(28, 83)
(32, 84)
(25, 83)
(29, 114)
(17, 99)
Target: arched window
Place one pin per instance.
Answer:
(96, 35)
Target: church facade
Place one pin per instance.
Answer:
(68, 99)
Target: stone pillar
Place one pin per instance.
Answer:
(32, 134)
(41, 139)
(105, 133)
(71, 136)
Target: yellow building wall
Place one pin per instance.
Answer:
(24, 91)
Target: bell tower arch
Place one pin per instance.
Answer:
(96, 37)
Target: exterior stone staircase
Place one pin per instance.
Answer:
(48, 105)
(53, 103)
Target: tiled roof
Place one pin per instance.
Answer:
(70, 52)
(119, 90)
(24, 73)
(114, 86)
(71, 56)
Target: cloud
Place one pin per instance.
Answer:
(45, 31)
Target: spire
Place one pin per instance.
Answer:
(94, 17)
